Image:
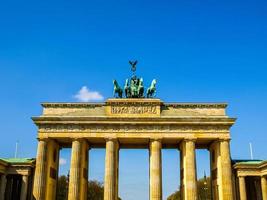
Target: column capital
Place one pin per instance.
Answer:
(47, 139)
(77, 139)
(191, 139)
(224, 139)
(155, 139)
(80, 140)
(113, 139)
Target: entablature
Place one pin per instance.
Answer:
(135, 108)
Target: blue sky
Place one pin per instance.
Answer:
(199, 51)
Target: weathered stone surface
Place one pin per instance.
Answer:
(135, 123)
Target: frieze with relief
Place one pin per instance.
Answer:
(131, 128)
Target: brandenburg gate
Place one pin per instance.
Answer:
(136, 121)
(132, 123)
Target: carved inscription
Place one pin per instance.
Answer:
(133, 107)
(133, 110)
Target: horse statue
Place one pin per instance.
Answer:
(134, 87)
(141, 88)
(150, 93)
(127, 89)
(117, 90)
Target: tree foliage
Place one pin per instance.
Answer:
(203, 190)
(95, 189)
(62, 188)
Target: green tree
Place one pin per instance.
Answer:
(62, 188)
(174, 196)
(95, 189)
(203, 190)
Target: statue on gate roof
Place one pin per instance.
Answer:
(134, 87)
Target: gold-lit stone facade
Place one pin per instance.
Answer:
(16, 177)
(133, 123)
(250, 180)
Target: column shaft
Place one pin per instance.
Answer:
(188, 168)
(242, 188)
(117, 172)
(24, 187)
(2, 186)
(39, 186)
(155, 171)
(84, 170)
(110, 170)
(264, 188)
(226, 171)
(74, 182)
(52, 163)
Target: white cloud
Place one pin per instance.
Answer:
(62, 161)
(85, 95)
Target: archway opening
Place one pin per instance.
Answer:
(63, 173)
(134, 174)
(170, 172)
(203, 174)
(96, 173)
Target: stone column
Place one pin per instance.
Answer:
(75, 171)
(84, 170)
(39, 186)
(52, 164)
(155, 171)
(264, 188)
(110, 170)
(226, 171)
(242, 188)
(2, 186)
(117, 172)
(24, 187)
(188, 170)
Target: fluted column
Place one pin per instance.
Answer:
(24, 187)
(188, 169)
(242, 188)
(39, 186)
(110, 170)
(264, 188)
(226, 170)
(117, 172)
(155, 171)
(84, 170)
(2, 186)
(75, 171)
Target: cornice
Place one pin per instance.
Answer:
(93, 105)
(131, 120)
(72, 105)
(196, 105)
(245, 166)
